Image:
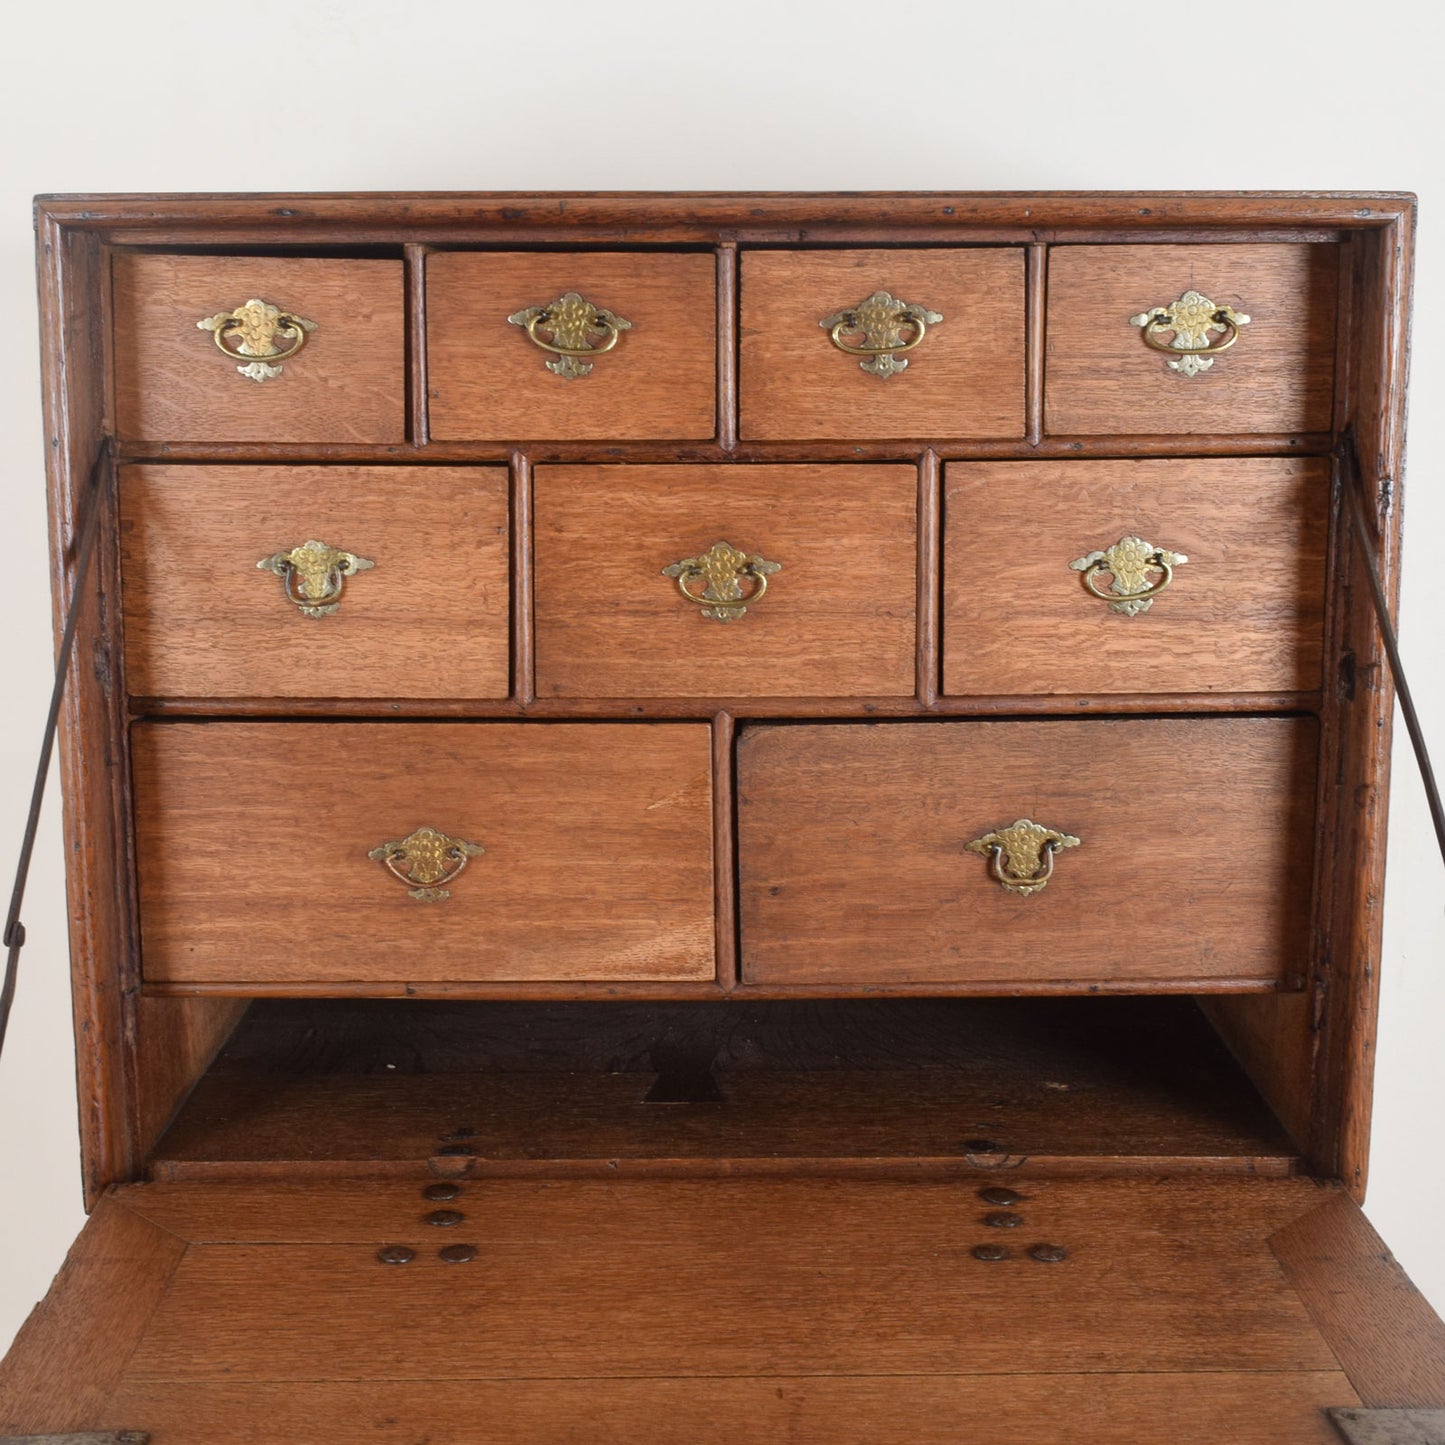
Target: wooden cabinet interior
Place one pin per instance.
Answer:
(578, 439)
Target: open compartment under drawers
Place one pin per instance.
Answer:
(905, 1087)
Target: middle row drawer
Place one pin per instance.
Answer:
(801, 581)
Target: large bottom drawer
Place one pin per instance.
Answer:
(276, 854)
(1019, 855)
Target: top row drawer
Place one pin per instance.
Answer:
(885, 344)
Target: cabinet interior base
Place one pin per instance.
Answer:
(919, 1086)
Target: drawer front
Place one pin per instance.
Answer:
(263, 853)
(1192, 863)
(644, 327)
(963, 378)
(1105, 374)
(405, 593)
(820, 563)
(1219, 587)
(327, 364)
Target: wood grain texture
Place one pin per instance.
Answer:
(176, 1040)
(1101, 377)
(1273, 1036)
(965, 380)
(838, 619)
(431, 619)
(348, 384)
(741, 1277)
(1191, 1409)
(907, 1088)
(1245, 613)
(92, 742)
(253, 842)
(487, 380)
(1386, 1337)
(69, 1355)
(1181, 874)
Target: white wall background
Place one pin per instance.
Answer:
(466, 95)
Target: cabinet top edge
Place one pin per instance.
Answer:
(726, 210)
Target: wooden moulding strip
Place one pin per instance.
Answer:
(930, 525)
(418, 424)
(1241, 444)
(725, 882)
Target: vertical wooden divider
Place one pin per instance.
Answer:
(930, 513)
(724, 848)
(418, 424)
(1036, 295)
(524, 661)
(727, 345)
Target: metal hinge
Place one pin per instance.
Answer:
(1390, 1427)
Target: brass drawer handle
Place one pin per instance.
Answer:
(721, 569)
(255, 327)
(1128, 564)
(429, 859)
(1021, 856)
(575, 325)
(881, 321)
(314, 575)
(1190, 320)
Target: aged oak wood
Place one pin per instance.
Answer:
(347, 384)
(966, 379)
(853, 866)
(429, 620)
(907, 1088)
(1244, 613)
(837, 620)
(253, 840)
(487, 380)
(1279, 376)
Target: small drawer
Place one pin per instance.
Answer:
(636, 568)
(936, 342)
(323, 360)
(1154, 339)
(383, 855)
(1090, 578)
(1181, 853)
(571, 346)
(289, 582)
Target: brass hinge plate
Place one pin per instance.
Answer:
(1390, 1427)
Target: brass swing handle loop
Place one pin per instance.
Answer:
(314, 575)
(1021, 856)
(758, 578)
(606, 325)
(722, 570)
(912, 317)
(426, 861)
(1156, 561)
(256, 327)
(1191, 321)
(578, 332)
(1128, 564)
(888, 328)
(1156, 325)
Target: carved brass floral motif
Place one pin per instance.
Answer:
(428, 858)
(1021, 856)
(314, 575)
(1128, 564)
(721, 570)
(255, 327)
(577, 330)
(888, 328)
(1193, 320)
